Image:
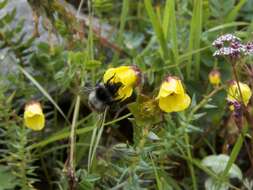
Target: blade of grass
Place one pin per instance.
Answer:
(185, 56)
(158, 29)
(234, 12)
(43, 91)
(170, 31)
(96, 135)
(227, 25)
(100, 131)
(189, 155)
(64, 134)
(72, 137)
(123, 18)
(235, 151)
(93, 137)
(158, 182)
(166, 20)
(194, 39)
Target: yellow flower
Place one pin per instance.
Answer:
(233, 93)
(214, 77)
(127, 76)
(33, 116)
(172, 97)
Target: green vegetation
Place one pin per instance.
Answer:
(181, 118)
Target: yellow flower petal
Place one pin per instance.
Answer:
(126, 75)
(171, 85)
(124, 93)
(109, 75)
(33, 116)
(234, 93)
(165, 90)
(37, 122)
(174, 103)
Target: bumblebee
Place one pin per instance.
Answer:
(118, 85)
(103, 95)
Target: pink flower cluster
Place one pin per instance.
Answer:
(230, 46)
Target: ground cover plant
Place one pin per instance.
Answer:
(126, 95)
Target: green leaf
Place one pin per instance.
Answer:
(235, 11)
(43, 91)
(133, 40)
(153, 136)
(212, 184)
(210, 106)
(218, 164)
(145, 112)
(158, 29)
(92, 64)
(194, 40)
(3, 4)
(59, 136)
(198, 116)
(8, 17)
(220, 9)
(7, 180)
(170, 31)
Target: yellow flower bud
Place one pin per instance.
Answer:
(172, 96)
(33, 116)
(233, 93)
(127, 76)
(214, 77)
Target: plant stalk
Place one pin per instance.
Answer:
(71, 169)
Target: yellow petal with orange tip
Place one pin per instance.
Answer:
(214, 77)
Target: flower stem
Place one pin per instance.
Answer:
(189, 155)
(23, 163)
(235, 151)
(204, 101)
(71, 169)
(237, 82)
(186, 136)
(95, 138)
(240, 139)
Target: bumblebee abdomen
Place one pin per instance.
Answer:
(95, 103)
(103, 94)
